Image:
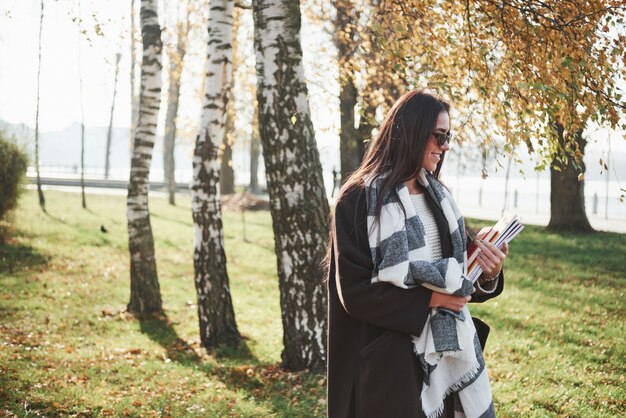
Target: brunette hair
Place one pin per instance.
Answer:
(398, 149)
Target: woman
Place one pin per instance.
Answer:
(401, 342)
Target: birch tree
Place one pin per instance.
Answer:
(294, 177)
(134, 102)
(42, 200)
(145, 296)
(215, 308)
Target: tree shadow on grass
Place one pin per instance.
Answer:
(15, 256)
(188, 222)
(238, 368)
(161, 330)
(55, 218)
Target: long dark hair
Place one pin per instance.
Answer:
(398, 149)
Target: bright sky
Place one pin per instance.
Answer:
(59, 97)
(60, 105)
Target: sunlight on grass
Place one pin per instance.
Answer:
(556, 346)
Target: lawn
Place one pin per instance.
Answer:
(68, 348)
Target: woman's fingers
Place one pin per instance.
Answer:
(442, 300)
(488, 267)
(491, 252)
(481, 234)
(491, 258)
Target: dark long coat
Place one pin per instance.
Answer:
(372, 370)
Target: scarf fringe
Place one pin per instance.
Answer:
(467, 377)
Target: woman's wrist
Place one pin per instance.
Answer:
(487, 286)
(484, 279)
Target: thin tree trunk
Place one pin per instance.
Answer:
(82, 162)
(227, 173)
(506, 185)
(350, 142)
(134, 101)
(366, 125)
(227, 179)
(42, 200)
(82, 116)
(294, 176)
(215, 308)
(107, 162)
(176, 69)
(255, 151)
(145, 295)
(567, 191)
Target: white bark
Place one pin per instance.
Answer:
(134, 102)
(215, 310)
(294, 177)
(145, 293)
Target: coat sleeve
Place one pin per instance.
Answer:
(380, 304)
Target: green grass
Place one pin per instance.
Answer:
(67, 348)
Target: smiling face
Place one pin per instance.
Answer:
(432, 154)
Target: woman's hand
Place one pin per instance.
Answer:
(454, 303)
(491, 258)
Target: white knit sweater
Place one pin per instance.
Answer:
(431, 232)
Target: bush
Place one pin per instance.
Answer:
(13, 163)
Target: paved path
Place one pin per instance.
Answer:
(118, 187)
(532, 218)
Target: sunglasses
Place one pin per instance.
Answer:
(442, 138)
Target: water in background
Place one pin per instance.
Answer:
(532, 195)
(529, 195)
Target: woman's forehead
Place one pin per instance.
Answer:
(443, 122)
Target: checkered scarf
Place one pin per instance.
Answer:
(448, 348)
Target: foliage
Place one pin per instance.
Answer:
(13, 164)
(513, 67)
(68, 347)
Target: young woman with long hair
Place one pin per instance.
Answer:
(401, 341)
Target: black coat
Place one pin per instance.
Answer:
(372, 369)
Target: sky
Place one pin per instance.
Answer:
(61, 46)
(60, 93)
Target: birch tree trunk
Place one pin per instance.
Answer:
(215, 308)
(145, 296)
(294, 177)
(107, 161)
(134, 102)
(42, 200)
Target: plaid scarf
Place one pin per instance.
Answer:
(448, 348)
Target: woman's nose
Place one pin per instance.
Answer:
(445, 146)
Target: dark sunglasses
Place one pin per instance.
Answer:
(442, 138)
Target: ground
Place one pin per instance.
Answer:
(68, 348)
